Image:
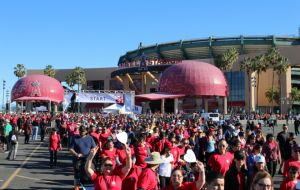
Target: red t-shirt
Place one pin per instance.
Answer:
(130, 181)
(95, 137)
(122, 155)
(184, 186)
(288, 184)
(175, 152)
(241, 180)
(147, 180)
(288, 163)
(220, 163)
(113, 182)
(140, 154)
(54, 142)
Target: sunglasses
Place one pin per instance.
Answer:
(108, 165)
(264, 185)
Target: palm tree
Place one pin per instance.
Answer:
(278, 63)
(247, 66)
(259, 65)
(273, 94)
(281, 67)
(226, 61)
(294, 96)
(20, 71)
(77, 76)
(49, 71)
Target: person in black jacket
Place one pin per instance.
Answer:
(236, 176)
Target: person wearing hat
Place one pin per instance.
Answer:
(291, 181)
(294, 161)
(236, 176)
(148, 179)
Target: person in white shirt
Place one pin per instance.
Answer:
(166, 167)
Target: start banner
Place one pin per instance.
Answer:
(96, 97)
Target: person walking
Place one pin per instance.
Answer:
(7, 130)
(296, 125)
(283, 139)
(13, 145)
(272, 154)
(54, 147)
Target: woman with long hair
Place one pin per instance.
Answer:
(262, 181)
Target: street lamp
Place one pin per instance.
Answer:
(3, 106)
(7, 101)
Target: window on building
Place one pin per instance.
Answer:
(236, 83)
(95, 85)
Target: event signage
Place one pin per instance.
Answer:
(95, 97)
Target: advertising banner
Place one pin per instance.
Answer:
(96, 97)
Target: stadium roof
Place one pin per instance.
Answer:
(208, 47)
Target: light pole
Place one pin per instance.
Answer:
(3, 106)
(7, 107)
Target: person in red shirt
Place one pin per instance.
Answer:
(177, 179)
(104, 135)
(294, 161)
(221, 160)
(54, 147)
(109, 151)
(291, 180)
(174, 149)
(148, 179)
(107, 178)
(141, 151)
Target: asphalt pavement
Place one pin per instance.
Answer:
(31, 168)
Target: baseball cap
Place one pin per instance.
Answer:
(259, 159)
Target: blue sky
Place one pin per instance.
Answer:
(94, 33)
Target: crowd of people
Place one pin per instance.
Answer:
(157, 151)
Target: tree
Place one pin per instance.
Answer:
(226, 61)
(295, 95)
(20, 71)
(247, 66)
(279, 64)
(77, 76)
(49, 71)
(259, 65)
(273, 94)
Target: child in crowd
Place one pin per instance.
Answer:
(291, 181)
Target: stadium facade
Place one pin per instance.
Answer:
(141, 69)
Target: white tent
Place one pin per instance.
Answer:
(114, 108)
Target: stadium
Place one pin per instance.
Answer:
(140, 70)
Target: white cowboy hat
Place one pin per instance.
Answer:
(190, 156)
(154, 159)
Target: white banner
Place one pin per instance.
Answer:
(96, 97)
